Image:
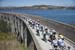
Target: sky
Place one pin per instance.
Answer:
(36, 2)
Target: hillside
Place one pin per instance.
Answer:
(38, 7)
(9, 42)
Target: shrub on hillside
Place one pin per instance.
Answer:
(4, 26)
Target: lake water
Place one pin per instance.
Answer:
(65, 16)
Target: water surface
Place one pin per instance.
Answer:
(65, 16)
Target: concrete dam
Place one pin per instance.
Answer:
(20, 26)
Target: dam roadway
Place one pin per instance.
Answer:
(66, 30)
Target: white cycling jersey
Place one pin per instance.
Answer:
(61, 42)
(55, 42)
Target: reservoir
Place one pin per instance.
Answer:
(65, 16)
